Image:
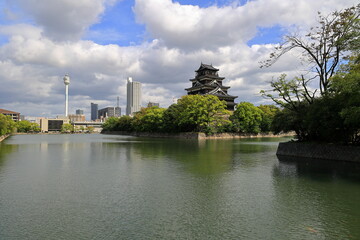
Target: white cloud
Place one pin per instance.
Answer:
(33, 61)
(192, 27)
(64, 19)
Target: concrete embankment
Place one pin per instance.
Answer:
(3, 137)
(319, 151)
(196, 135)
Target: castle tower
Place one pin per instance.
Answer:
(207, 81)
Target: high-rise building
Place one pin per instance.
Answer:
(94, 111)
(109, 112)
(133, 97)
(79, 112)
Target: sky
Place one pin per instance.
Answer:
(159, 43)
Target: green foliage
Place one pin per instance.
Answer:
(110, 124)
(67, 128)
(125, 123)
(331, 112)
(247, 118)
(90, 129)
(330, 118)
(201, 113)
(268, 114)
(148, 120)
(7, 125)
(26, 126)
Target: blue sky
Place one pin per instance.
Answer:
(157, 42)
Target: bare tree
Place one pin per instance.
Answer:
(324, 47)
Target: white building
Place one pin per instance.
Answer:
(133, 97)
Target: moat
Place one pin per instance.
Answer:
(94, 186)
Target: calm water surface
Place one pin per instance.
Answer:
(118, 187)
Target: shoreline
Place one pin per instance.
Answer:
(3, 137)
(197, 135)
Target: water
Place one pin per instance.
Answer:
(116, 187)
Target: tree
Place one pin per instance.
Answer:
(67, 128)
(268, 113)
(26, 126)
(323, 48)
(202, 112)
(246, 118)
(148, 119)
(7, 125)
(110, 124)
(125, 123)
(90, 129)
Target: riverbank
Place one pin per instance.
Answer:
(196, 135)
(3, 137)
(319, 151)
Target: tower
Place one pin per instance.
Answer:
(207, 81)
(94, 111)
(66, 82)
(133, 103)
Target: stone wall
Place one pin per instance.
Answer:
(319, 151)
(3, 137)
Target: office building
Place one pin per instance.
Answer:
(79, 112)
(133, 97)
(52, 125)
(94, 111)
(76, 117)
(109, 112)
(153, 104)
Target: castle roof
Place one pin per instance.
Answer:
(206, 66)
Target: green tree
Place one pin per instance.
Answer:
(111, 124)
(7, 125)
(268, 114)
(171, 120)
(125, 123)
(148, 120)
(67, 128)
(26, 126)
(246, 118)
(90, 129)
(201, 112)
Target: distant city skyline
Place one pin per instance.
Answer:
(157, 42)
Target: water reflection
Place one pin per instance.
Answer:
(6, 149)
(317, 169)
(308, 191)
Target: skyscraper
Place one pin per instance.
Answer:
(133, 96)
(94, 111)
(79, 112)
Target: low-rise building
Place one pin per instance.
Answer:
(52, 124)
(14, 115)
(153, 104)
(77, 117)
